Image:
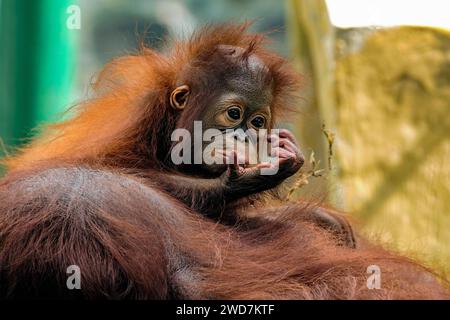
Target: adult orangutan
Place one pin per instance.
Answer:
(101, 191)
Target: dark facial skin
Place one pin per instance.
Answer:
(246, 91)
(243, 102)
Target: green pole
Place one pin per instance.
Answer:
(37, 65)
(57, 61)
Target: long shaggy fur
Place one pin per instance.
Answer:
(82, 193)
(129, 121)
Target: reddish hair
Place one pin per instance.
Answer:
(121, 126)
(67, 201)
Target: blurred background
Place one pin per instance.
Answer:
(376, 108)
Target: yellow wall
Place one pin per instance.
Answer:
(385, 93)
(393, 146)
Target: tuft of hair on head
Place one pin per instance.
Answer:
(128, 118)
(196, 51)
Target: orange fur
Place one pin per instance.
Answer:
(88, 192)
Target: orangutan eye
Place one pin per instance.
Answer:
(258, 122)
(234, 113)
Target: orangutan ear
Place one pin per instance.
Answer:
(178, 97)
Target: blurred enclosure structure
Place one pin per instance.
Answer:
(382, 92)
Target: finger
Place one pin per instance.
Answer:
(264, 165)
(281, 153)
(284, 148)
(253, 171)
(285, 133)
(289, 145)
(285, 154)
(234, 167)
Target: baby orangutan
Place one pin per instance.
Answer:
(127, 192)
